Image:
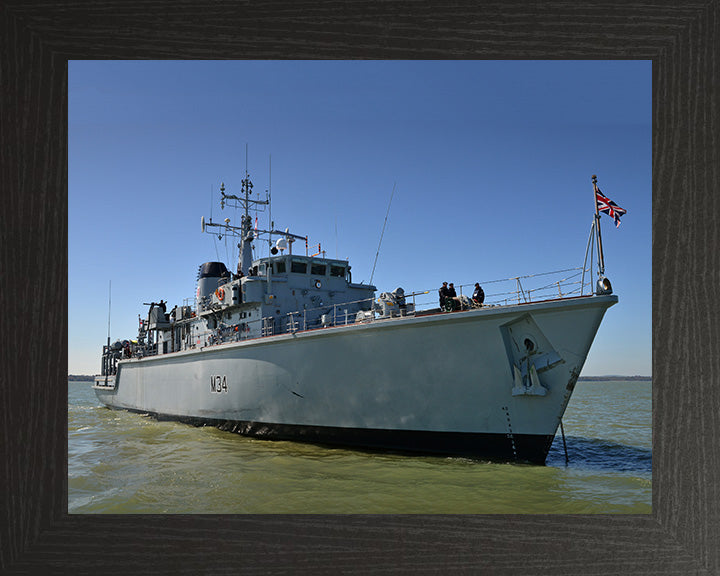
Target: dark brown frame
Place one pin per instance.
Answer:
(681, 536)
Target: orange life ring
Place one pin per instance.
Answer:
(220, 293)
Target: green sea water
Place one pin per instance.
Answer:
(126, 463)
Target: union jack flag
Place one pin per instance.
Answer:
(604, 204)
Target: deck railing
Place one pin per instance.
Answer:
(505, 292)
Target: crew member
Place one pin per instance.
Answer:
(444, 293)
(478, 295)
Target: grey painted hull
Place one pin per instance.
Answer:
(444, 383)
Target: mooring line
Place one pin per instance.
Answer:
(562, 431)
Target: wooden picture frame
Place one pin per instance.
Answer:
(681, 535)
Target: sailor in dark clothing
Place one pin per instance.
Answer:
(444, 293)
(478, 295)
(163, 305)
(451, 301)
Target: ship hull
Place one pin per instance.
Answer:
(490, 383)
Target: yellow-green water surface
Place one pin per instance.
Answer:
(125, 463)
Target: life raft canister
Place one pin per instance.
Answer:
(220, 293)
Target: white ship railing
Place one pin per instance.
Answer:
(515, 290)
(559, 284)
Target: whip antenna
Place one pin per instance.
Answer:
(382, 233)
(269, 195)
(109, 303)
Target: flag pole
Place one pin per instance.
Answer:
(601, 259)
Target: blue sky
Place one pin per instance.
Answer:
(491, 163)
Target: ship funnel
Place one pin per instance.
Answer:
(210, 276)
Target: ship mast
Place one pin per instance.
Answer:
(245, 258)
(246, 232)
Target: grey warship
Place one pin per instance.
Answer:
(288, 347)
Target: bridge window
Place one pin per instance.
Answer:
(280, 267)
(338, 271)
(317, 269)
(298, 267)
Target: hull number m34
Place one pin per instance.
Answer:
(218, 384)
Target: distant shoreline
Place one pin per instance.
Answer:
(615, 378)
(85, 378)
